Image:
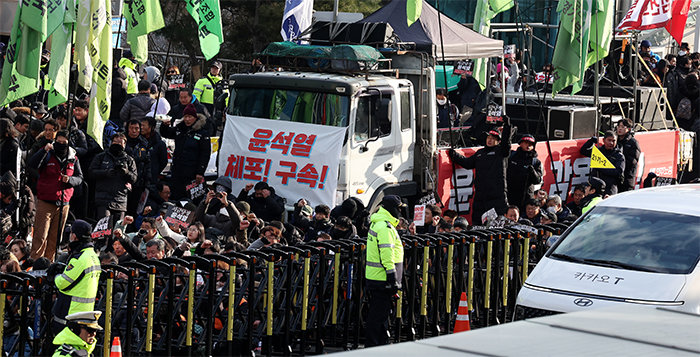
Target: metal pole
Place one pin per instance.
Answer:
(449, 105)
(335, 11)
(596, 87)
(635, 74)
(696, 44)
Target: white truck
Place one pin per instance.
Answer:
(390, 115)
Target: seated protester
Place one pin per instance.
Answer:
(118, 248)
(20, 249)
(513, 213)
(216, 211)
(263, 201)
(155, 249)
(8, 262)
(136, 242)
(320, 223)
(343, 229)
(449, 215)
(554, 206)
(533, 213)
(292, 235)
(432, 220)
(323, 237)
(353, 208)
(107, 258)
(269, 235)
(460, 224)
(594, 194)
(301, 217)
(541, 198)
(444, 227)
(577, 195)
(194, 236)
(548, 217)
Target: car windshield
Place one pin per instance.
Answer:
(291, 105)
(633, 239)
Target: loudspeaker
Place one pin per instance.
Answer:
(650, 108)
(572, 122)
(365, 33)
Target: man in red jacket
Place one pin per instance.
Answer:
(59, 172)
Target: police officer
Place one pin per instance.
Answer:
(77, 285)
(78, 338)
(384, 268)
(205, 86)
(127, 64)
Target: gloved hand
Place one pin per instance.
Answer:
(391, 282)
(452, 153)
(54, 269)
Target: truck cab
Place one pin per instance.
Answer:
(383, 134)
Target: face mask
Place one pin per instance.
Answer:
(337, 233)
(116, 149)
(214, 206)
(442, 101)
(60, 149)
(681, 53)
(552, 209)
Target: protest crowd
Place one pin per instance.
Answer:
(65, 198)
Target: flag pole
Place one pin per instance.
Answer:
(596, 87)
(449, 106)
(165, 63)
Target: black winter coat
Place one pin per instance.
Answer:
(77, 140)
(192, 148)
(138, 150)
(489, 164)
(631, 151)
(8, 156)
(136, 108)
(612, 177)
(176, 112)
(158, 153)
(111, 174)
(268, 209)
(524, 172)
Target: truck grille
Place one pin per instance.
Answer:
(525, 312)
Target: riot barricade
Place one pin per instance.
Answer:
(284, 300)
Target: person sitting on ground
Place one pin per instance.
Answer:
(576, 196)
(269, 235)
(555, 207)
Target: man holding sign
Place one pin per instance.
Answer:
(607, 162)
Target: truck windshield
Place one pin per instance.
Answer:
(291, 105)
(633, 239)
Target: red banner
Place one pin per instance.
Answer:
(659, 155)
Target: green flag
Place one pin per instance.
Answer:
(14, 85)
(207, 15)
(571, 50)
(486, 10)
(142, 17)
(59, 66)
(413, 10)
(601, 31)
(100, 52)
(83, 33)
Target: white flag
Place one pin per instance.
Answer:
(646, 15)
(296, 18)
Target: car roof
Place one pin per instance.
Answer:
(681, 199)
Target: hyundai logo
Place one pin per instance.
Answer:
(582, 302)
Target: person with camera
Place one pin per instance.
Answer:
(216, 211)
(263, 201)
(114, 173)
(59, 172)
(384, 268)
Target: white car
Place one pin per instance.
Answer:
(640, 247)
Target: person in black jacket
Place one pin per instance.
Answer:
(489, 164)
(187, 98)
(611, 177)
(137, 107)
(192, 150)
(157, 150)
(630, 150)
(263, 201)
(76, 138)
(137, 148)
(114, 172)
(9, 146)
(524, 172)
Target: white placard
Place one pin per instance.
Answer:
(419, 215)
(298, 160)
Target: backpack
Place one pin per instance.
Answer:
(685, 109)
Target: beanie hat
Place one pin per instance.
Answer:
(81, 229)
(190, 110)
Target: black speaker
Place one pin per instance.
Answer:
(572, 122)
(650, 108)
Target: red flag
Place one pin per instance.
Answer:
(676, 25)
(647, 15)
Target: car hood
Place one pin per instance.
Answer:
(600, 281)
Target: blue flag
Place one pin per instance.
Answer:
(296, 18)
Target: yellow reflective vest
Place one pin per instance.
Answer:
(204, 88)
(131, 79)
(69, 344)
(384, 248)
(78, 283)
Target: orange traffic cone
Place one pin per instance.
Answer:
(462, 321)
(116, 350)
